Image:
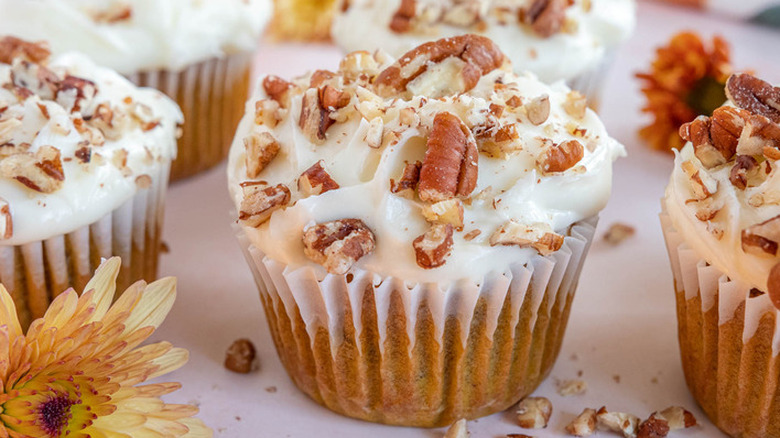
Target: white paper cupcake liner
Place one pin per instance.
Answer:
(384, 350)
(36, 272)
(591, 82)
(212, 95)
(729, 343)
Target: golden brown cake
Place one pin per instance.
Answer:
(303, 20)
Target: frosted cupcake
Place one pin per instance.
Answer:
(417, 228)
(84, 163)
(570, 40)
(304, 20)
(198, 52)
(721, 221)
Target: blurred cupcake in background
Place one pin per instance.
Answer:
(417, 227)
(555, 39)
(198, 52)
(721, 221)
(84, 162)
(302, 20)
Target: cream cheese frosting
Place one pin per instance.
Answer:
(131, 36)
(590, 30)
(726, 204)
(76, 142)
(511, 187)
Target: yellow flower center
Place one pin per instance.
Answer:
(707, 95)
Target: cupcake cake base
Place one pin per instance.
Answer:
(211, 95)
(729, 343)
(382, 350)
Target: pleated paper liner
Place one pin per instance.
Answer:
(729, 344)
(591, 82)
(383, 350)
(37, 272)
(212, 95)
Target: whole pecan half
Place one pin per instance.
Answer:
(752, 94)
(546, 17)
(450, 166)
(402, 19)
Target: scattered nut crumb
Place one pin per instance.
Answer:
(572, 387)
(584, 424)
(518, 435)
(271, 389)
(240, 357)
(618, 232)
(621, 422)
(616, 378)
(458, 430)
(534, 413)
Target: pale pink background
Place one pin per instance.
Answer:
(623, 322)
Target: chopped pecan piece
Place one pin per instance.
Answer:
(763, 238)
(745, 169)
(261, 149)
(6, 220)
(572, 387)
(316, 181)
(402, 19)
(751, 93)
(479, 56)
(653, 427)
(339, 244)
(357, 65)
(576, 105)
(715, 139)
(773, 285)
(534, 412)
(546, 17)
(759, 134)
(41, 172)
(12, 47)
(539, 236)
(450, 166)
(316, 108)
(278, 89)
(240, 356)
(458, 430)
(407, 185)
(35, 77)
(620, 422)
(268, 113)
(260, 201)
(677, 418)
(75, 94)
(375, 132)
(7, 129)
(562, 157)
(584, 424)
(449, 211)
(618, 233)
(707, 208)
(432, 248)
(538, 109)
(702, 184)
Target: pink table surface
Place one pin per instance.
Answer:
(622, 332)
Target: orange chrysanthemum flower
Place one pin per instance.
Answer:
(74, 373)
(687, 79)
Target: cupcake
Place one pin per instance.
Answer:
(417, 227)
(302, 20)
(198, 52)
(721, 221)
(570, 40)
(84, 163)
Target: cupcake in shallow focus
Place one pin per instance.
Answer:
(198, 52)
(303, 20)
(570, 40)
(84, 163)
(721, 221)
(417, 228)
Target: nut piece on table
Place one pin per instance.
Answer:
(240, 356)
(337, 245)
(261, 149)
(584, 424)
(653, 427)
(620, 422)
(458, 430)
(260, 201)
(618, 232)
(432, 248)
(534, 413)
(572, 387)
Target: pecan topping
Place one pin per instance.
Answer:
(576, 105)
(478, 55)
(407, 185)
(534, 412)
(316, 181)
(316, 108)
(715, 139)
(338, 245)
(433, 247)
(278, 89)
(538, 110)
(702, 184)
(562, 157)
(12, 47)
(261, 149)
(745, 168)
(375, 132)
(402, 19)
(773, 285)
(75, 94)
(268, 112)
(6, 220)
(449, 211)
(450, 166)
(538, 236)
(763, 238)
(320, 77)
(751, 93)
(546, 17)
(584, 424)
(41, 172)
(260, 201)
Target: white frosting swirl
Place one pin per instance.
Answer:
(89, 190)
(511, 189)
(598, 26)
(725, 253)
(167, 34)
